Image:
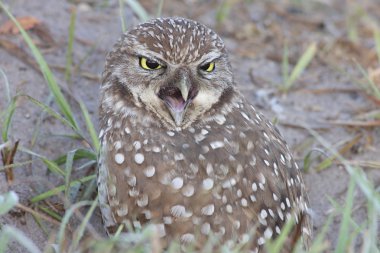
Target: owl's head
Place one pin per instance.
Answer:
(176, 70)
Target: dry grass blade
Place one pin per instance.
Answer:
(370, 123)
(365, 164)
(369, 85)
(348, 145)
(60, 189)
(7, 155)
(40, 215)
(356, 173)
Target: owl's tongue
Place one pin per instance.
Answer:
(177, 100)
(173, 98)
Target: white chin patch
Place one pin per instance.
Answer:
(205, 99)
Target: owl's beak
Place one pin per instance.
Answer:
(184, 88)
(179, 112)
(177, 98)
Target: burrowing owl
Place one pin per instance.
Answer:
(182, 149)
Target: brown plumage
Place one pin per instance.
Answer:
(182, 149)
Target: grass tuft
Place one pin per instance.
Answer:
(300, 67)
(368, 85)
(48, 75)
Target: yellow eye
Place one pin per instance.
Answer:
(208, 67)
(149, 64)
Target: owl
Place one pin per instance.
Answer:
(183, 150)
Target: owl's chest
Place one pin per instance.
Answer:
(193, 152)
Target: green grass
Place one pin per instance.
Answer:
(368, 85)
(70, 45)
(301, 65)
(66, 117)
(121, 14)
(223, 11)
(139, 10)
(63, 167)
(376, 36)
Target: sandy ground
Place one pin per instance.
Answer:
(255, 34)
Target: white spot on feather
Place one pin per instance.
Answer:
(119, 158)
(208, 210)
(139, 158)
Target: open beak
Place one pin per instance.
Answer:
(177, 98)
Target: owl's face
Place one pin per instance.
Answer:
(175, 69)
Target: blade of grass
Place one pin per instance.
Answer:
(376, 35)
(121, 14)
(60, 188)
(371, 87)
(68, 170)
(78, 234)
(373, 221)
(301, 65)
(52, 166)
(38, 124)
(15, 165)
(159, 8)
(79, 154)
(21, 238)
(277, 245)
(346, 148)
(66, 218)
(285, 63)
(48, 75)
(223, 11)
(343, 238)
(4, 239)
(8, 118)
(50, 212)
(7, 202)
(69, 53)
(90, 190)
(6, 84)
(356, 173)
(90, 127)
(138, 10)
(55, 115)
(318, 245)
